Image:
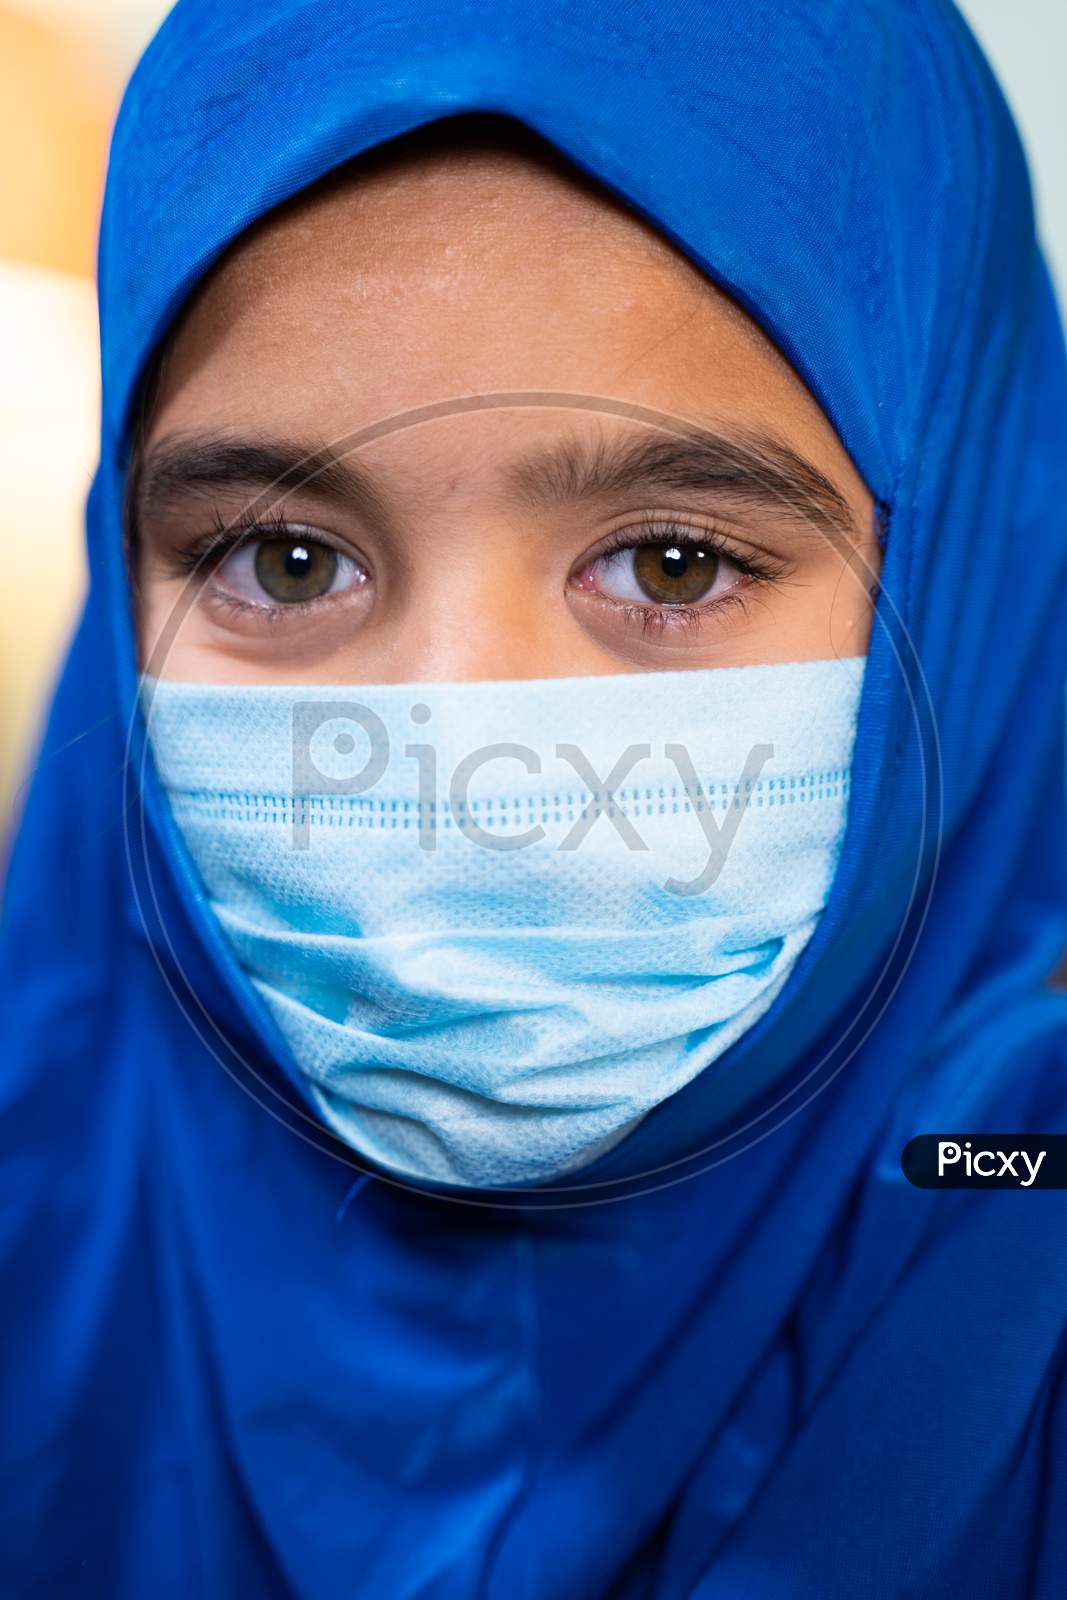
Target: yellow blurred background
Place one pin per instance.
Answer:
(63, 64)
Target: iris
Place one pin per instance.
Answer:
(294, 572)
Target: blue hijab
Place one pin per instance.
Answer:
(739, 1354)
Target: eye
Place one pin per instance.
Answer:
(288, 569)
(671, 572)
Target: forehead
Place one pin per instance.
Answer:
(452, 262)
(472, 217)
(451, 186)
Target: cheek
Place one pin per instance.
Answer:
(851, 602)
(150, 610)
(165, 624)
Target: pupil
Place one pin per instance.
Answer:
(297, 562)
(674, 563)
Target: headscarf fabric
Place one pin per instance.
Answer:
(739, 1354)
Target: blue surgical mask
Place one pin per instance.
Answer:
(496, 923)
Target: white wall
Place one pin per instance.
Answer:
(1026, 42)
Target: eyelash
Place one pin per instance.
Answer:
(761, 570)
(226, 536)
(210, 552)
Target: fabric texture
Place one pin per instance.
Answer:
(496, 923)
(737, 1354)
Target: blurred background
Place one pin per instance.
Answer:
(63, 64)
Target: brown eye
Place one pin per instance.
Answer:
(291, 571)
(662, 573)
(674, 574)
(288, 569)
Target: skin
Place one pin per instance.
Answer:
(478, 263)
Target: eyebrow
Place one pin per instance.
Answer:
(189, 464)
(750, 468)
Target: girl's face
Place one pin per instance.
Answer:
(463, 417)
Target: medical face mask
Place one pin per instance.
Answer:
(497, 923)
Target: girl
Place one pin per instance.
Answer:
(559, 779)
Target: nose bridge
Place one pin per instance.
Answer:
(473, 581)
(473, 633)
(467, 655)
(471, 590)
(483, 598)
